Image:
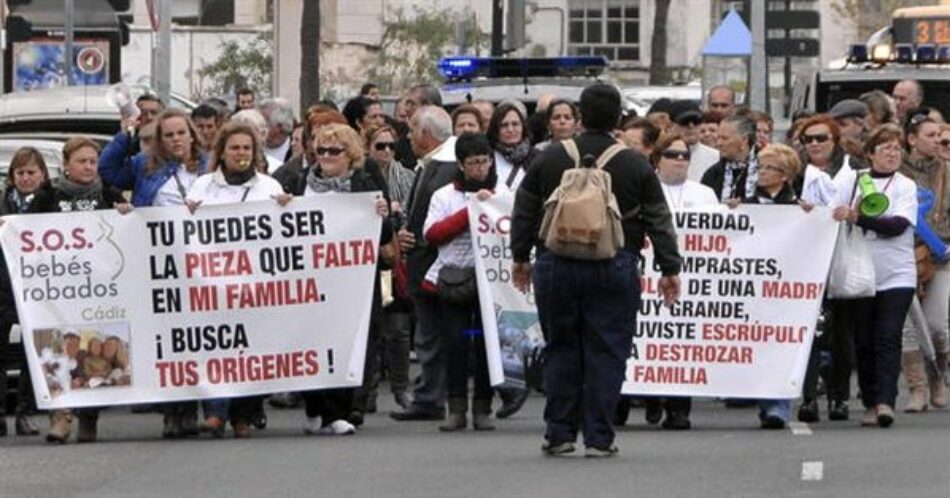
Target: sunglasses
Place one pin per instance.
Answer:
(675, 154)
(381, 146)
(818, 139)
(330, 151)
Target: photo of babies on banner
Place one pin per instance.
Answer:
(84, 356)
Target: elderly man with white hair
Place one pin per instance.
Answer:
(430, 133)
(280, 125)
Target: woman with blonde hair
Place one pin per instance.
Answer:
(339, 170)
(161, 175)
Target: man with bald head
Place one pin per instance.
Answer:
(721, 100)
(908, 94)
(430, 134)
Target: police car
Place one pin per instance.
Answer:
(497, 79)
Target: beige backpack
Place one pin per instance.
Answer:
(581, 218)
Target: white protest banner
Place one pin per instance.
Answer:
(752, 284)
(163, 305)
(509, 317)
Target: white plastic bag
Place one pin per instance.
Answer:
(852, 270)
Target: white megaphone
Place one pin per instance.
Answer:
(119, 96)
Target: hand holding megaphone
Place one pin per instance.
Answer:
(873, 203)
(120, 96)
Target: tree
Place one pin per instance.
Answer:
(870, 16)
(241, 66)
(309, 56)
(658, 72)
(412, 45)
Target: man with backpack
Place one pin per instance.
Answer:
(586, 206)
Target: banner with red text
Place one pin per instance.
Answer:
(752, 284)
(161, 304)
(753, 281)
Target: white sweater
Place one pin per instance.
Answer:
(212, 188)
(447, 226)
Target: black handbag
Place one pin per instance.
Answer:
(457, 285)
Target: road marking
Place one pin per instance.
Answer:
(813, 471)
(799, 428)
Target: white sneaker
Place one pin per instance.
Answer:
(338, 428)
(312, 425)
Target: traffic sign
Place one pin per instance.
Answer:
(90, 60)
(792, 47)
(792, 19)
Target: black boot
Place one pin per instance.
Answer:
(808, 412)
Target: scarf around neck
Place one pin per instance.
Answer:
(79, 191)
(321, 185)
(515, 154)
(733, 171)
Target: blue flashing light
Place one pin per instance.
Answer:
(858, 53)
(926, 53)
(905, 52)
(466, 68)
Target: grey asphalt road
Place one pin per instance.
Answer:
(724, 455)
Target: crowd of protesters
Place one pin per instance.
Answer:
(427, 163)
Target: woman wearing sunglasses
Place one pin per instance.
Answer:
(819, 137)
(340, 170)
(396, 318)
(671, 157)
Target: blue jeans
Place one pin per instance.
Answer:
(588, 312)
(217, 407)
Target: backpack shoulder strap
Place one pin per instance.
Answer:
(571, 148)
(609, 154)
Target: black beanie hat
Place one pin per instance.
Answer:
(600, 107)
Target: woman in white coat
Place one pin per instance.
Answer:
(235, 177)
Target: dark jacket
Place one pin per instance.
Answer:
(715, 177)
(7, 206)
(290, 174)
(785, 196)
(50, 199)
(434, 176)
(634, 184)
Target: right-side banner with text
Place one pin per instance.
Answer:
(753, 280)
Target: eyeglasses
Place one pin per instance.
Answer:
(330, 151)
(477, 161)
(675, 154)
(892, 148)
(381, 146)
(818, 139)
(771, 167)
